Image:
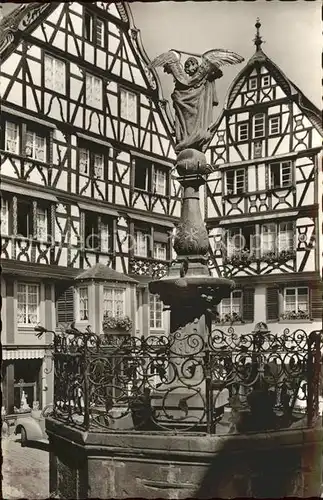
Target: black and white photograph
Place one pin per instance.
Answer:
(161, 249)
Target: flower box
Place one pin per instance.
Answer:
(113, 323)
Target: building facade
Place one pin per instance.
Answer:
(89, 200)
(262, 203)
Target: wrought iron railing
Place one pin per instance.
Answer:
(184, 383)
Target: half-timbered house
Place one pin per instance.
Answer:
(89, 200)
(262, 203)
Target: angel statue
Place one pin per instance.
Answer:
(194, 95)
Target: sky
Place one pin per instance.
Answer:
(291, 31)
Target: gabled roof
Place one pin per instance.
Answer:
(291, 90)
(26, 17)
(100, 272)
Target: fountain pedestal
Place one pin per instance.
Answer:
(190, 292)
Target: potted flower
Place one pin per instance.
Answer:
(118, 322)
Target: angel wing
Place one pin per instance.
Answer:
(221, 57)
(172, 61)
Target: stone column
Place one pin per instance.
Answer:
(190, 292)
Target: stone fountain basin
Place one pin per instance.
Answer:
(191, 288)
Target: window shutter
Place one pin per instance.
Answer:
(272, 303)
(248, 304)
(65, 306)
(317, 302)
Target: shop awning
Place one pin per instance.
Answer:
(22, 353)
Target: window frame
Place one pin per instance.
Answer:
(92, 153)
(263, 84)
(114, 290)
(254, 125)
(36, 134)
(296, 309)
(231, 306)
(155, 247)
(155, 299)
(55, 85)
(5, 210)
(94, 19)
(281, 164)
(146, 235)
(250, 80)
(273, 235)
(154, 182)
(270, 120)
(136, 107)
(18, 137)
(90, 99)
(27, 285)
(235, 173)
(78, 308)
(239, 126)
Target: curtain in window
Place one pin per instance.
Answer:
(141, 246)
(60, 75)
(27, 304)
(12, 137)
(84, 160)
(83, 304)
(268, 240)
(105, 240)
(41, 224)
(286, 236)
(49, 72)
(4, 216)
(159, 184)
(98, 166)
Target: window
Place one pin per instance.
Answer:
(268, 238)
(83, 304)
(239, 239)
(257, 149)
(266, 81)
(88, 26)
(280, 174)
(231, 305)
(24, 219)
(258, 125)
(141, 244)
(235, 181)
(28, 304)
(296, 300)
(55, 74)
(35, 145)
(41, 224)
(113, 301)
(4, 216)
(142, 168)
(274, 125)
(156, 312)
(252, 83)
(12, 137)
(128, 105)
(243, 131)
(97, 232)
(286, 236)
(94, 91)
(159, 182)
(160, 250)
(65, 305)
(94, 29)
(84, 161)
(91, 163)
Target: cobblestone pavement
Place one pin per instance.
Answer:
(25, 471)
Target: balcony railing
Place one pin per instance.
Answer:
(224, 383)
